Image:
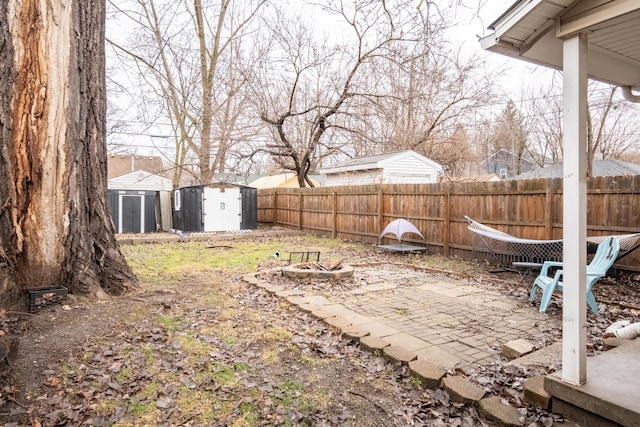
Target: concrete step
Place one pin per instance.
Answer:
(610, 396)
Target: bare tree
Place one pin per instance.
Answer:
(299, 103)
(55, 227)
(390, 82)
(190, 56)
(544, 118)
(610, 124)
(436, 91)
(511, 135)
(455, 154)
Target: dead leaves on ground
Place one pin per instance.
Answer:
(238, 354)
(201, 365)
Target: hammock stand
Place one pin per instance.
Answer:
(510, 251)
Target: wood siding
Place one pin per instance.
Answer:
(530, 209)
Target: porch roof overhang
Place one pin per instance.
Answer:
(534, 30)
(599, 39)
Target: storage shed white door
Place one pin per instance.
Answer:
(221, 209)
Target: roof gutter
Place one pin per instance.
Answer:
(629, 95)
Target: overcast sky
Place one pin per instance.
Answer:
(470, 26)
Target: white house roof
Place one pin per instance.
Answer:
(140, 180)
(533, 30)
(378, 161)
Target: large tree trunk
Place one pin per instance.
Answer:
(55, 226)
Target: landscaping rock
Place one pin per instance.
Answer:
(535, 393)
(462, 390)
(321, 313)
(394, 353)
(372, 344)
(355, 332)
(516, 348)
(431, 375)
(338, 322)
(504, 414)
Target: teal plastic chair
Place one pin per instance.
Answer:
(597, 268)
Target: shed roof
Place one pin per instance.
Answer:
(502, 152)
(486, 177)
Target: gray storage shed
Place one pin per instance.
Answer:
(133, 211)
(140, 202)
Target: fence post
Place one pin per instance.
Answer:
(275, 207)
(334, 214)
(548, 208)
(446, 219)
(380, 208)
(300, 210)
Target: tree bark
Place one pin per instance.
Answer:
(55, 224)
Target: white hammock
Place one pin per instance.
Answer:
(507, 249)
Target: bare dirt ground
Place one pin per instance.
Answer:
(212, 350)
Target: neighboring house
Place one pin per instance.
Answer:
(607, 167)
(140, 202)
(215, 207)
(505, 164)
(122, 164)
(282, 180)
(404, 167)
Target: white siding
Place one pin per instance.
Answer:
(406, 167)
(410, 170)
(140, 180)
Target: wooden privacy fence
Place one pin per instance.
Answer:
(530, 209)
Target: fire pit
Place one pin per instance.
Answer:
(315, 270)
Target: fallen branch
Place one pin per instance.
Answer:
(20, 312)
(621, 304)
(371, 401)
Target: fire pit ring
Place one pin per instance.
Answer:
(306, 271)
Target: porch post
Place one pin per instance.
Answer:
(574, 200)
